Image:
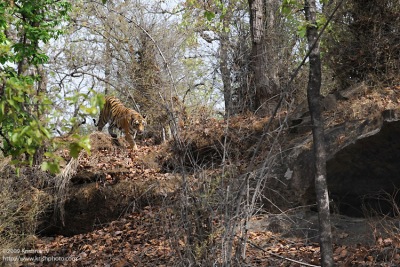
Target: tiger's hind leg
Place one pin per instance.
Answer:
(113, 135)
(116, 142)
(100, 125)
(111, 132)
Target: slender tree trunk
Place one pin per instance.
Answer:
(258, 62)
(313, 95)
(107, 67)
(41, 90)
(225, 73)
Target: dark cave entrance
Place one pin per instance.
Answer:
(364, 178)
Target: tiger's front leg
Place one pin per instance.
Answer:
(131, 141)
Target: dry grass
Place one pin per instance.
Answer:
(21, 203)
(61, 185)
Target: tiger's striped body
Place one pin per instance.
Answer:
(125, 119)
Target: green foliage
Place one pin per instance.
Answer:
(38, 21)
(215, 14)
(288, 7)
(96, 102)
(74, 141)
(81, 143)
(52, 166)
(23, 105)
(209, 15)
(19, 126)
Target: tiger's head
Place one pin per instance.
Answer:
(137, 122)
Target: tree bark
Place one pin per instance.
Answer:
(41, 90)
(263, 60)
(225, 71)
(314, 96)
(258, 63)
(107, 67)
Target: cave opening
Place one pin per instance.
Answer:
(364, 177)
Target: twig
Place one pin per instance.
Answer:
(61, 186)
(150, 37)
(280, 256)
(6, 139)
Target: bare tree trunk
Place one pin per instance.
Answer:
(274, 43)
(41, 90)
(107, 51)
(225, 72)
(313, 95)
(257, 58)
(224, 65)
(107, 67)
(264, 61)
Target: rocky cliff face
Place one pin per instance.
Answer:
(363, 152)
(366, 174)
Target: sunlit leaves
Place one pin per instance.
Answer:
(290, 6)
(24, 25)
(37, 21)
(321, 21)
(79, 144)
(209, 15)
(213, 13)
(24, 139)
(95, 103)
(302, 30)
(293, 11)
(51, 166)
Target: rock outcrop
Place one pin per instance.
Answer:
(363, 153)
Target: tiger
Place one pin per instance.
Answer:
(125, 119)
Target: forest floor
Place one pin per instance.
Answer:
(135, 239)
(146, 233)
